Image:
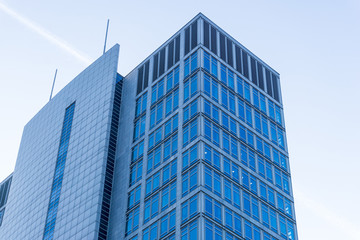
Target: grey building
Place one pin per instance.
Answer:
(191, 144)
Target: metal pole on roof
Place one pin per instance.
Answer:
(52, 89)
(107, 28)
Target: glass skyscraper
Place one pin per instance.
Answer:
(189, 145)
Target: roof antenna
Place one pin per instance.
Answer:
(52, 89)
(107, 28)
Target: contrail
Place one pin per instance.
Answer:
(47, 35)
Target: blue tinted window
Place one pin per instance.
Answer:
(247, 91)
(231, 83)
(214, 70)
(215, 90)
(241, 108)
(240, 88)
(206, 61)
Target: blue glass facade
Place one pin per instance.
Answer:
(59, 173)
(213, 157)
(189, 145)
(4, 192)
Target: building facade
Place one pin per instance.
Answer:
(191, 144)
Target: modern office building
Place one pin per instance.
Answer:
(189, 145)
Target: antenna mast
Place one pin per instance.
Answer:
(52, 89)
(107, 28)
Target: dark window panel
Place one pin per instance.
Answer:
(222, 47)
(245, 64)
(238, 59)
(162, 61)
(155, 68)
(146, 76)
(275, 87)
(2, 195)
(194, 40)
(268, 82)
(260, 75)
(230, 52)
(140, 79)
(253, 71)
(187, 40)
(213, 40)
(206, 35)
(177, 49)
(170, 55)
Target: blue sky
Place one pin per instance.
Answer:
(314, 45)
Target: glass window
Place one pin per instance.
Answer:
(255, 208)
(269, 174)
(276, 156)
(240, 88)
(256, 100)
(265, 126)
(262, 103)
(215, 114)
(186, 67)
(223, 74)
(231, 82)
(247, 91)
(242, 133)
(236, 196)
(245, 179)
(232, 102)
(225, 120)
(257, 121)
(280, 135)
(241, 109)
(248, 115)
(282, 222)
(189, 232)
(267, 150)
(280, 202)
(206, 61)
(248, 230)
(136, 172)
(243, 155)
(193, 62)
(273, 220)
(253, 184)
(233, 127)
(250, 138)
(234, 147)
(227, 191)
(228, 218)
(259, 145)
(278, 117)
(261, 167)
(271, 109)
(263, 192)
(215, 90)
(207, 86)
(224, 97)
(132, 221)
(189, 182)
(265, 214)
(214, 66)
(226, 142)
(134, 197)
(189, 208)
(207, 108)
(271, 196)
(283, 162)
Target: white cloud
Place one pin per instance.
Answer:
(46, 34)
